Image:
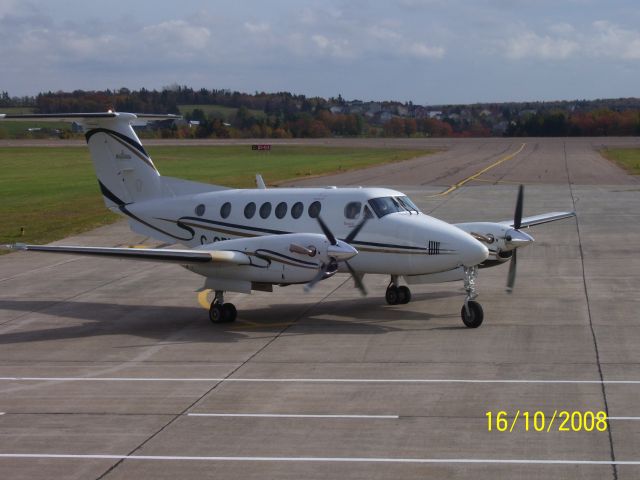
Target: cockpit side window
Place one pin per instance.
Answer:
(384, 206)
(367, 212)
(408, 204)
(352, 210)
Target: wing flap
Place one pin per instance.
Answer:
(180, 256)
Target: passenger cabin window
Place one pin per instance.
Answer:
(314, 209)
(225, 210)
(200, 210)
(265, 209)
(297, 209)
(250, 210)
(281, 210)
(352, 210)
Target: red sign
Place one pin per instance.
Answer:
(261, 147)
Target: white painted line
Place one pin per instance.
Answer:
(2, 413)
(322, 459)
(315, 380)
(291, 415)
(623, 418)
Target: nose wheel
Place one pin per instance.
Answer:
(472, 314)
(221, 312)
(397, 294)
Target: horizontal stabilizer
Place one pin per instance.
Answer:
(82, 117)
(182, 256)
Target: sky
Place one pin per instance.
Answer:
(429, 52)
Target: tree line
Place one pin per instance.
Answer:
(286, 115)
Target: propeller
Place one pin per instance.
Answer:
(336, 254)
(515, 238)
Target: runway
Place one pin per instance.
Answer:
(112, 370)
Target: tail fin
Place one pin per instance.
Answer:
(125, 171)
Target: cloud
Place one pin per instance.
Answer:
(610, 40)
(601, 39)
(177, 35)
(257, 28)
(422, 50)
(531, 45)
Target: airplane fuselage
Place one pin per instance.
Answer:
(397, 239)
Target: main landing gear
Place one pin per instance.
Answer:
(220, 312)
(471, 313)
(397, 294)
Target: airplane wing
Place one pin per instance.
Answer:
(540, 219)
(182, 256)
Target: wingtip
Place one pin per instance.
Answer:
(13, 246)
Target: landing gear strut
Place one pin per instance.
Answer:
(471, 313)
(397, 294)
(220, 312)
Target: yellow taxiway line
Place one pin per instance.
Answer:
(477, 174)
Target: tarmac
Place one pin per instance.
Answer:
(111, 369)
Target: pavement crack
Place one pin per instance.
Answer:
(593, 332)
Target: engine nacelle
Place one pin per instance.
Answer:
(276, 259)
(500, 238)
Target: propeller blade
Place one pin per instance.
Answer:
(319, 276)
(328, 233)
(356, 230)
(357, 279)
(517, 217)
(511, 278)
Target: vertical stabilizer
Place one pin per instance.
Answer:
(125, 171)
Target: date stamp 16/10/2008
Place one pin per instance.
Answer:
(538, 421)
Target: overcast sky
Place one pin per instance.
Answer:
(426, 51)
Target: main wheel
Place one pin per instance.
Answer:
(474, 318)
(404, 294)
(216, 313)
(391, 295)
(229, 312)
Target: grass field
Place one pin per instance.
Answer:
(53, 192)
(627, 158)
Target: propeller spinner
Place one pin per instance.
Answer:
(338, 251)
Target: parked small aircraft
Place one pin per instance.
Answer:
(251, 239)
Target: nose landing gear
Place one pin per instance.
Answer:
(471, 313)
(220, 312)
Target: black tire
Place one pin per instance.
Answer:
(215, 313)
(404, 294)
(229, 312)
(475, 316)
(391, 295)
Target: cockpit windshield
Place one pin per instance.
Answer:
(385, 205)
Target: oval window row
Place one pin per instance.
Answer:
(265, 210)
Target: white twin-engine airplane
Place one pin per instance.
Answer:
(251, 239)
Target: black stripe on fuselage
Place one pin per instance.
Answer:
(281, 232)
(122, 206)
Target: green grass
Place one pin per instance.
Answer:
(53, 192)
(226, 113)
(627, 158)
(16, 110)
